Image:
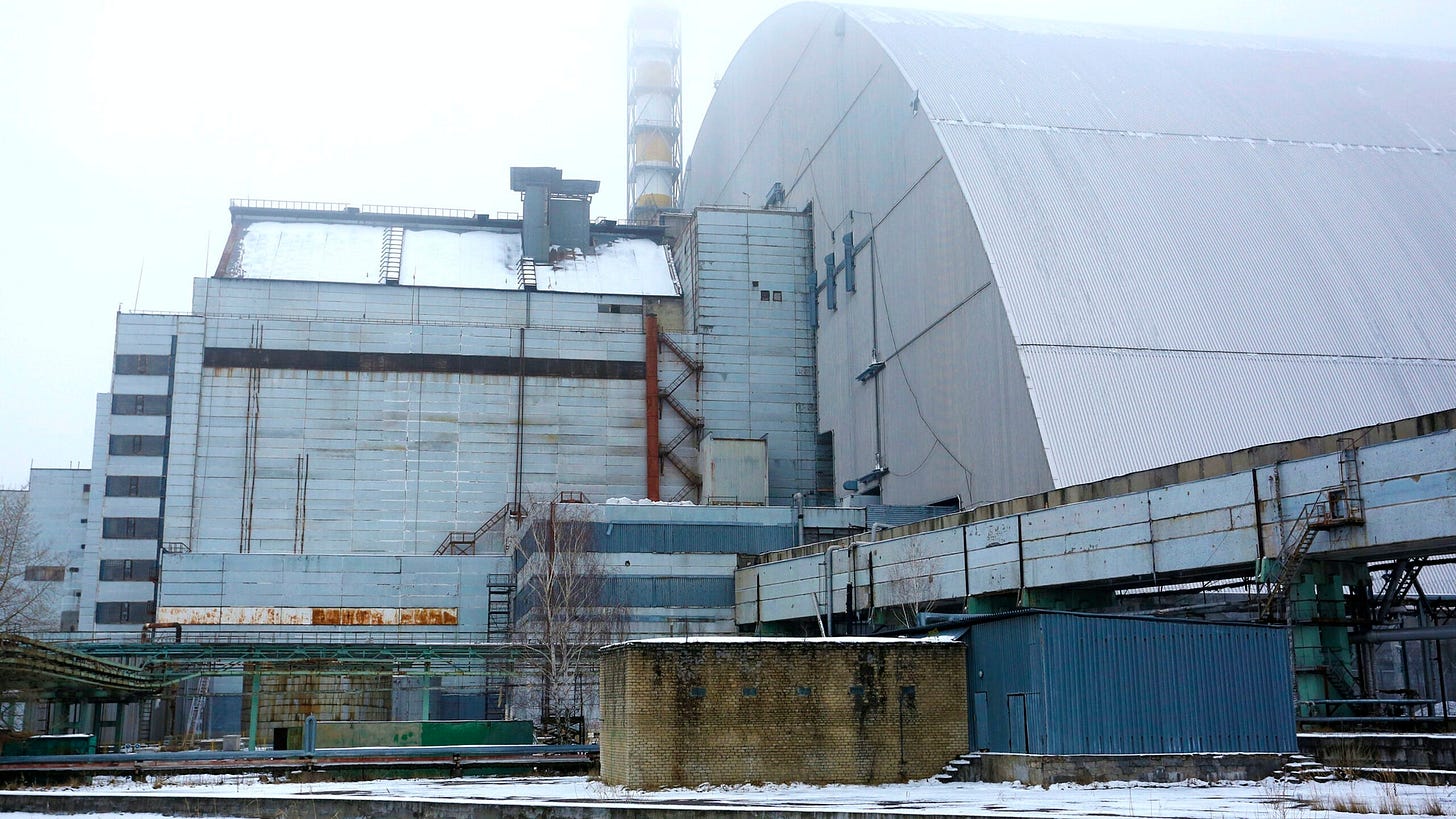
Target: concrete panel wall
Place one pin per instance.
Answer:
(1198, 529)
(747, 282)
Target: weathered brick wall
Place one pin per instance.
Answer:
(681, 713)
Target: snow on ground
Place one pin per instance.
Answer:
(1269, 799)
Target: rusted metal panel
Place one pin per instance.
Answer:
(428, 617)
(305, 616)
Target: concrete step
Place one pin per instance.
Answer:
(1302, 768)
(965, 768)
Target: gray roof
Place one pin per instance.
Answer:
(1184, 221)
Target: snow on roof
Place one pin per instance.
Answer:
(486, 259)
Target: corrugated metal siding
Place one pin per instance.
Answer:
(1098, 239)
(1003, 658)
(1121, 685)
(1140, 199)
(679, 538)
(1173, 82)
(1203, 402)
(901, 515)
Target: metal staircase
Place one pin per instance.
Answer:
(1335, 506)
(1398, 586)
(693, 423)
(464, 543)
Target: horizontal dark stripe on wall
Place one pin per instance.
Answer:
(350, 362)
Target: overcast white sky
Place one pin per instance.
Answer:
(125, 127)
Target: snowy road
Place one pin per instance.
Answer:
(1192, 800)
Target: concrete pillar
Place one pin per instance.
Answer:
(253, 711)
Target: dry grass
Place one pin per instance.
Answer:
(1390, 802)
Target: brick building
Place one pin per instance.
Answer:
(731, 710)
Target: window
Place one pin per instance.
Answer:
(127, 364)
(131, 528)
(45, 574)
(134, 486)
(778, 295)
(139, 611)
(140, 404)
(763, 295)
(152, 445)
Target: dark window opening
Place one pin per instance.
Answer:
(131, 364)
(152, 445)
(124, 570)
(134, 486)
(124, 612)
(763, 295)
(140, 405)
(131, 528)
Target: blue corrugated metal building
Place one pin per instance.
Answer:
(1053, 682)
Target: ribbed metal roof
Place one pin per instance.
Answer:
(1202, 243)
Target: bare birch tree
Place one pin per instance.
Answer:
(910, 586)
(565, 616)
(24, 603)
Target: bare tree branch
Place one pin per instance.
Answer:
(24, 604)
(910, 587)
(564, 615)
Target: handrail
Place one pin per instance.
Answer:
(463, 543)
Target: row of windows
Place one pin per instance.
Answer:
(134, 486)
(129, 570)
(139, 611)
(140, 404)
(143, 364)
(155, 445)
(131, 528)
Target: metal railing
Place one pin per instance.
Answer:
(288, 204)
(410, 210)
(341, 207)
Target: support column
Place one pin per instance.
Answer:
(253, 711)
(425, 703)
(1320, 619)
